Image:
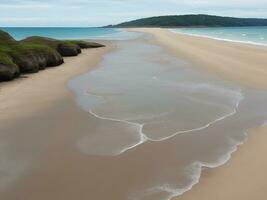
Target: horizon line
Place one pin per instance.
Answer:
(105, 26)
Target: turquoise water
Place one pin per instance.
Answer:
(70, 33)
(254, 35)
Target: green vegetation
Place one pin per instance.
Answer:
(25, 49)
(85, 45)
(65, 48)
(5, 38)
(6, 60)
(8, 69)
(193, 21)
(35, 53)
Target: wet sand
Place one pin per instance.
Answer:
(244, 176)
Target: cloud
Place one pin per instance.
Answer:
(102, 12)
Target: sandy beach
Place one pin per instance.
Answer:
(243, 177)
(36, 92)
(238, 62)
(41, 114)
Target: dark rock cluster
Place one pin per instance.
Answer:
(69, 49)
(35, 53)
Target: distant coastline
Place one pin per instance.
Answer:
(247, 35)
(200, 20)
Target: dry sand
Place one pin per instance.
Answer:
(244, 177)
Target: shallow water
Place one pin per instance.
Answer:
(252, 35)
(70, 33)
(179, 120)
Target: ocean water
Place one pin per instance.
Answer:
(253, 35)
(71, 33)
(162, 121)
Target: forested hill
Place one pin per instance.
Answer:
(193, 21)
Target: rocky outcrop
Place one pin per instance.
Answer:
(35, 53)
(87, 45)
(8, 69)
(34, 61)
(8, 72)
(68, 49)
(65, 48)
(53, 60)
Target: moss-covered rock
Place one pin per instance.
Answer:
(8, 69)
(65, 48)
(86, 45)
(35, 53)
(34, 57)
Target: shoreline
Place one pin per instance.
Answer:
(223, 59)
(242, 176)
(220, 39)
(48, 104)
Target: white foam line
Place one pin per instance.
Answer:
(217, 38)
(200, 128)
(200, 165)
(196, 177)
(144, 138)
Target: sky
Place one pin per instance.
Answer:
(104, 12)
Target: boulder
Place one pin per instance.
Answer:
(8, 72)
(87, 45)
(54, 59)
(27, 63)
(8, 69)
(32, 58)
(68, 49)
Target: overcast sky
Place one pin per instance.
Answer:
(103, 12)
